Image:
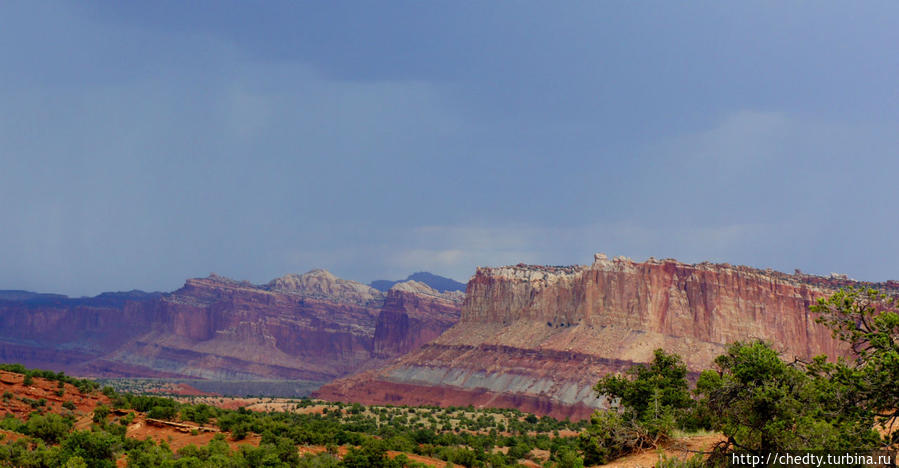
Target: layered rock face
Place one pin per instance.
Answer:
(311, 327)
(412, 315)
(539, 338)
(218, 328)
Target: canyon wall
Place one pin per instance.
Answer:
(538, 338)
(412, 315)
(309, 327)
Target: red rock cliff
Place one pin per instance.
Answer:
(312, 327)
(412, 315)
(539, 337)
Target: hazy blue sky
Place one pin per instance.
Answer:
(142, 143)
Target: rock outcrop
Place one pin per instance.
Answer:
(538, 338)
(322, 284)
(313, 327)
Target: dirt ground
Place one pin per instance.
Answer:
(178, 437)
(682, 448)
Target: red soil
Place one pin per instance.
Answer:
(182, 437)
(46, 389)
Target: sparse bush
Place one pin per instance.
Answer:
(696, 461)
(372, 429)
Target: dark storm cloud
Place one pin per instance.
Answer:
(142, 144)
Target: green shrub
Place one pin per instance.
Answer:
(868, 321)
(50, 428)
(372, 454)
(239, 432)
(98, 449)
(100, 414)
(647, 393)
(568, 458)
(162, 412)
(763, 404)
(651, 399)
(11, 423)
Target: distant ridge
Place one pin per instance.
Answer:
(20, 295)
(440, 283)
(106, 298)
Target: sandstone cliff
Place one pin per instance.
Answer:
(538, 338)
(412, 315)
(223, 329)
(312, 327)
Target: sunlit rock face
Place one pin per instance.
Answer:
(541, 337)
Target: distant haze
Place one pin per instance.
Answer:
(145, 143)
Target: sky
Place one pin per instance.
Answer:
(145, 143)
